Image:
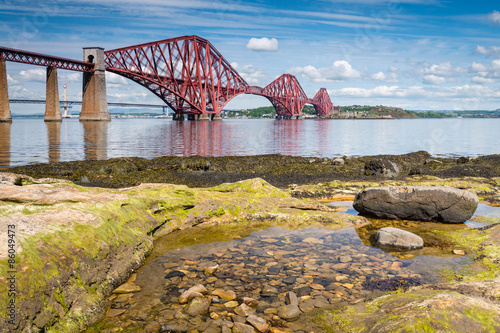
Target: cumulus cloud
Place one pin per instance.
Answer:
(493, 52)
(417, 92)
(263, 44)
(389, 78)
(393, 68)
(251, 74)
(494, 17)
(485, 73)
(340, 70)
(11, 80)
(32, 75)
(116, 79)
(434, 79)
(442, 69)
(380, 76)
(71, 77)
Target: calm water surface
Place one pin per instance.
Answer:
(32, 140)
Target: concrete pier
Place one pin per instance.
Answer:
(217, 117)
(94, 101)
(5, 115)
(52, 106)
(178, 117)
(202, 116)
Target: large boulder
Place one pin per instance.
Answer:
(420, 203)
(395, 237)
(381, 167)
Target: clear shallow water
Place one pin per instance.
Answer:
(323, 267)
(31, 140)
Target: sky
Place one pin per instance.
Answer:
(414, 54)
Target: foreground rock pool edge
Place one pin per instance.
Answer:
(117, 233)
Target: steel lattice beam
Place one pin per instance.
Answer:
(286, 95)
(187, 73)
(39, 59)
(322, 103)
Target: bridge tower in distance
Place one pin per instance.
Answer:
(94, 102)
(5, 115)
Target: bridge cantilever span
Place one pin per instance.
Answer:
(193, 78)
(188, 73)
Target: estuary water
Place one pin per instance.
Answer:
(28, 141)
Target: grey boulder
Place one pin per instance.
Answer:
(395, 237)
(419, 203)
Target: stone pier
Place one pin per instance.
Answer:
(52, 106)
(178, 117)
(5, 115)
(94, 102)
(217, 117)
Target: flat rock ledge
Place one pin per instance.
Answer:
(395, 237)
(419, 203)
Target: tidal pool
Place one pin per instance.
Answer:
(324, 268)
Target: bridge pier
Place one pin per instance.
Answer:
(94, 102)
(52, 106)
(216, 117)
(5, 115)
(178, 117)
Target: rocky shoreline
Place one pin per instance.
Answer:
(63, 278)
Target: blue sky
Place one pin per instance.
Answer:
(415, 54)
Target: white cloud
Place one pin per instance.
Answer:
(494, 17)
(442, 69)
(116, 79)
(341, 70)
(434, 79)
(393, 68)
(71, 77)
(251, 74)
(32, 75)
(482, 80)
(485, 73)
(380, 76)
(11, 80)
(263, 44)
(417, 92)
(493, 51)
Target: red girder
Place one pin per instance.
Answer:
(39, 59)
(187, 73)
(322, 103)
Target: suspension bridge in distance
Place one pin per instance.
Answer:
(187, 73)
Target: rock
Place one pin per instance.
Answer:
(199, 288)
(253, 303)
(459, 252)
(269, 291)
(114, 312)
(420, 203)
(260, 324)
(231, 304)
(344, 259)
(390, 236)
(290, 312)
(242, 328)
(381, 167)
(188, 295)
(153, 327)
(244, 310)
(338, 161)
(198, 306)
(126, 288)
(291, 298)
(228, 295)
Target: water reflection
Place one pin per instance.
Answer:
(54, 136)
(95, 137)
(5, 145)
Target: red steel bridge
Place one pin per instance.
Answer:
(188, 74)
